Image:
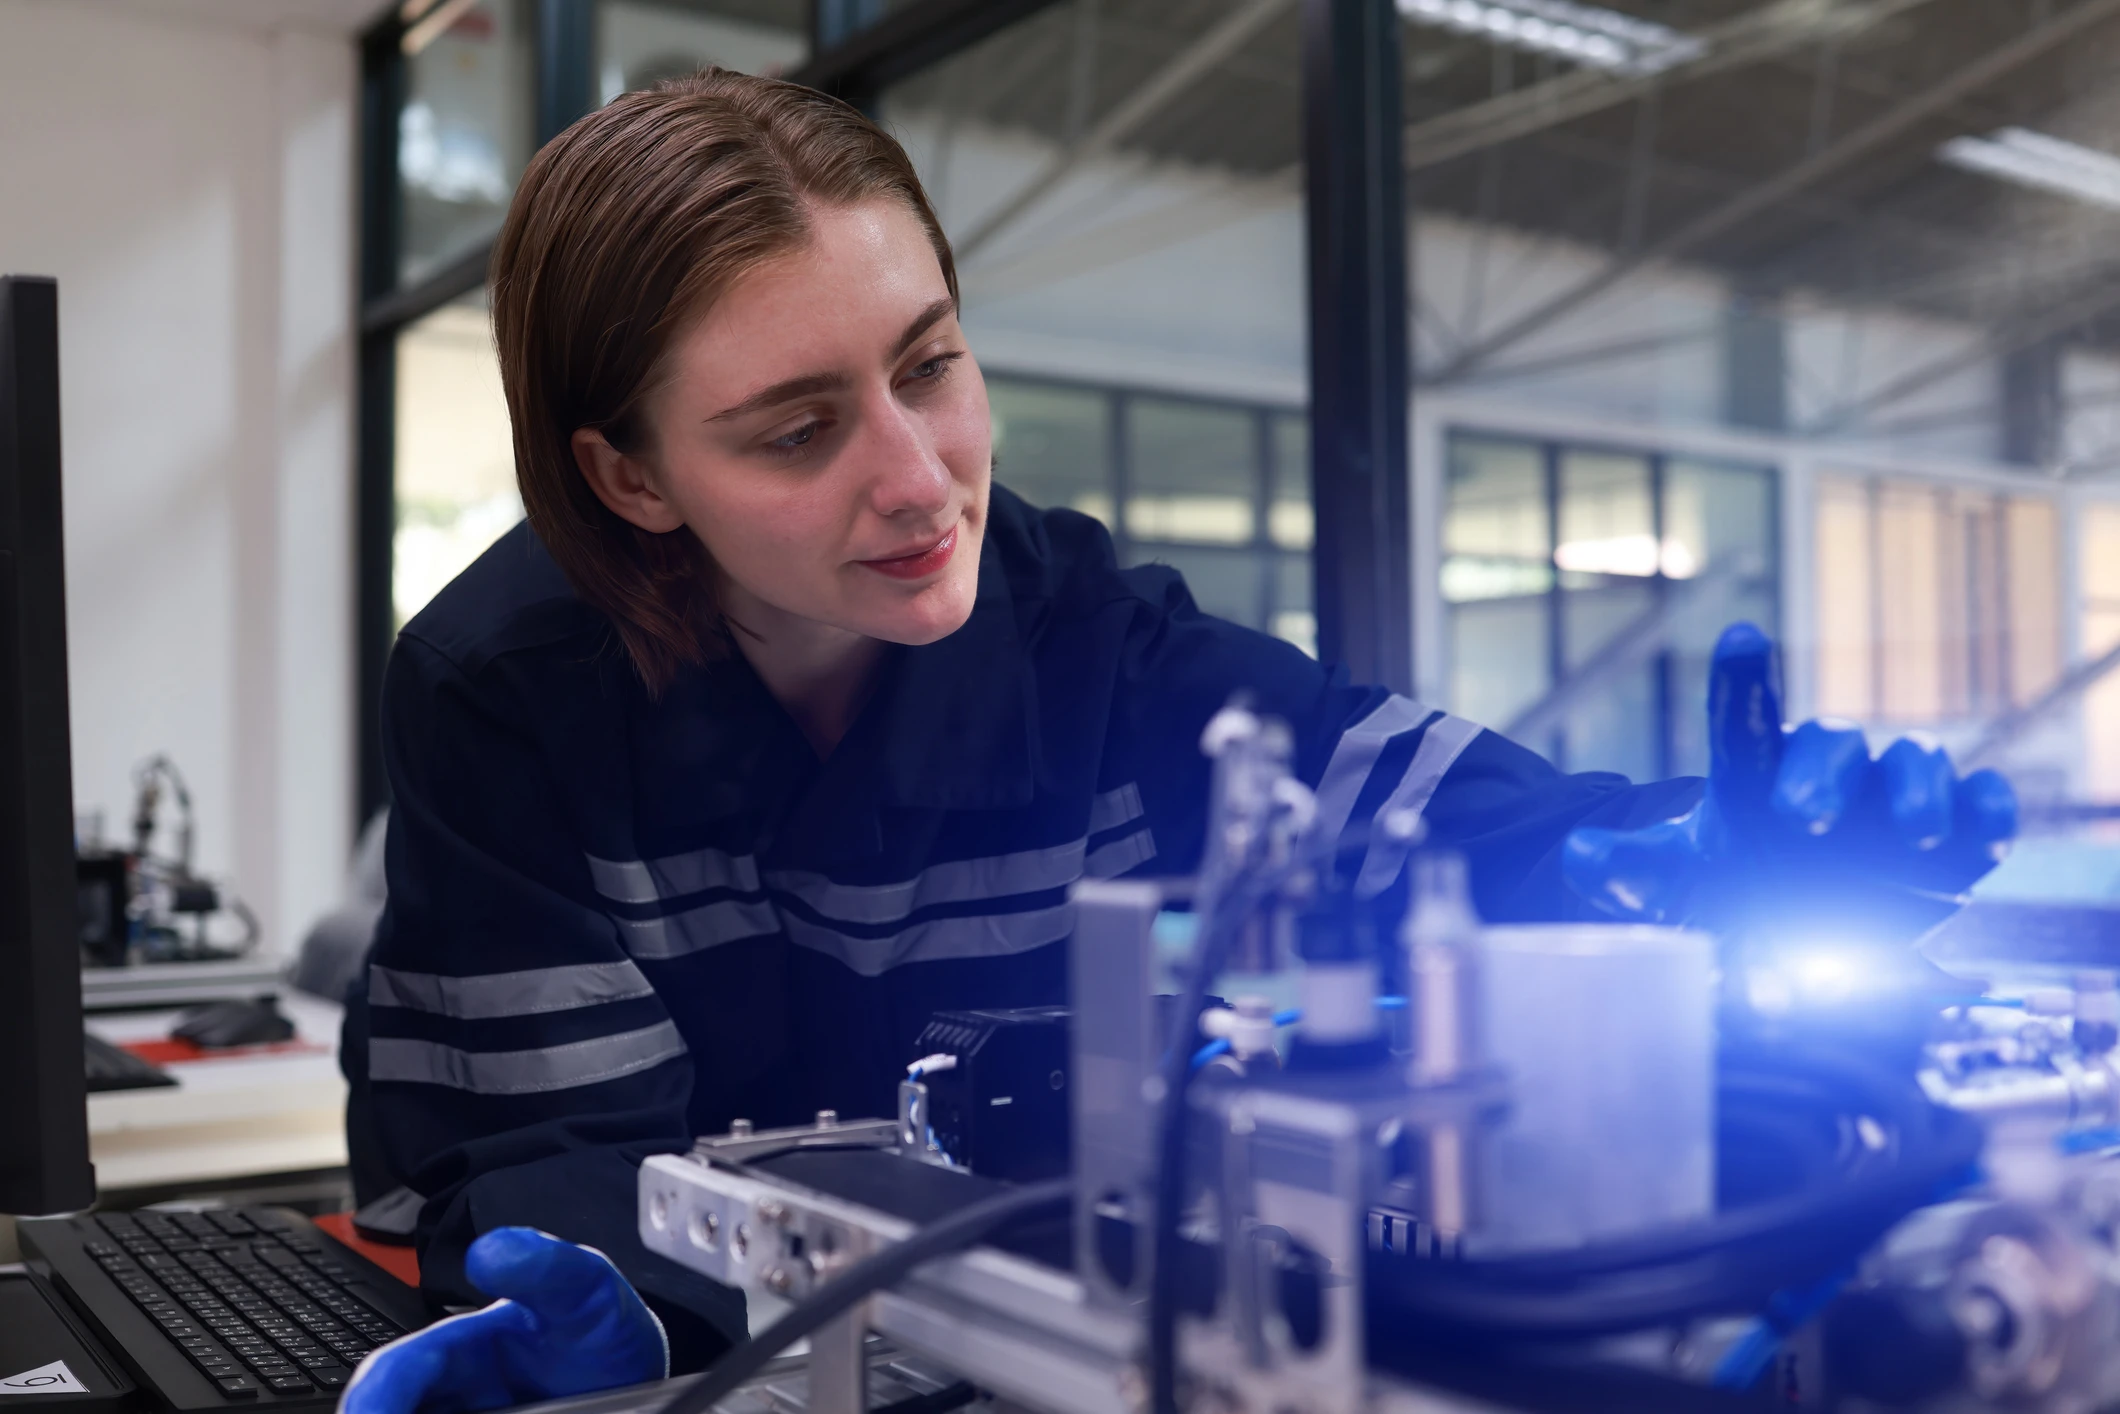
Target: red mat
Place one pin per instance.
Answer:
(401, 1262)
(165, 1051)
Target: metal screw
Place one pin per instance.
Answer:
(779, 1281)
(827, 1118)
(743, 1239)
(739, 1129)
(771, 1211)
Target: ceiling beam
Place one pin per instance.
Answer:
(2077, 308)
(1186, 68)
(1756, 200)
(1763, 34)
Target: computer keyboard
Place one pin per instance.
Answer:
(263, 1307)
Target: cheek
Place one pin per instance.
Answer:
(963, 434)
(758, 522)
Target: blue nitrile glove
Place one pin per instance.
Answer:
(1800, 831)
(566, 1323)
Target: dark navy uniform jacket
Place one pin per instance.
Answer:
(617, 922)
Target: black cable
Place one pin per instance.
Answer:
(1788, 1107)
(869, 1275)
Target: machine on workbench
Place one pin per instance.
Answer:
(1568, 1166)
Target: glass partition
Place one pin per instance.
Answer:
(642, 42)
(1121, 182)
(455, 484)
(466, 130)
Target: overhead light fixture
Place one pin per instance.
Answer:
(1589, 35)
(2031, 159)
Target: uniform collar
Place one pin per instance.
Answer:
(954, 718)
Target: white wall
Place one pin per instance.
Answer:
(187, 174)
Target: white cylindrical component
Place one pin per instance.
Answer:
(1606, 1033)
(1339, 1001)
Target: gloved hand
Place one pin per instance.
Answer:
(1800, 830)
(566, 1323)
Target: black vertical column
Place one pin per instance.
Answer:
(375, 455)
(1359, 374)
(566, 64)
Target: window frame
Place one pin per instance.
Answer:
(1552, 449)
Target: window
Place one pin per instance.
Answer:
(642, 42)
(2099, 556)
(1195, 484)
(455, 488)
(465, 131)
(1935, 604)
(1584, 589)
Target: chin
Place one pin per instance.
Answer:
(922, 623)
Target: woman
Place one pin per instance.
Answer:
(780, 726)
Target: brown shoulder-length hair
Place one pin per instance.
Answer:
(623, 230)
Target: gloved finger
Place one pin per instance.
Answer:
(1920, 787)
(1645, 874)
(543, 1272)
(1744, 720)
(450, 1365)
(575, 1294)
(1986, 808)
(1821, 775)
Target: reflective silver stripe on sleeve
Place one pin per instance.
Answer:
(1442, 744)
(960, 881)
(524, 1072)
(1115, 857)
(710, 925)
(673, 876)
(1359, 746)
(991, 935)
(525, 993)
(1115, 807)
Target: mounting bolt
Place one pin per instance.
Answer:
(779, 1281)
(827, 1118)
(739, 1129)
(771, 1211)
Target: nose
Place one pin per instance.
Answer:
(906, 478)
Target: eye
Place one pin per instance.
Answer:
(933, 369)
(794, 441)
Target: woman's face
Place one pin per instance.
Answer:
(825, 434)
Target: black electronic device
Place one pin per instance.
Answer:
(1002, 1109)
(115, 1068)
(44, 1165)
(241, 1306)
(103, 884)
(47, 1360)
(219, 1025)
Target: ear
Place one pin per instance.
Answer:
(624, 483)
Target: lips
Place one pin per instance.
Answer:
(919, 564)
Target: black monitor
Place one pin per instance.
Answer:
(44, 1165)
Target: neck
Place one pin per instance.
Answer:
(821, 675)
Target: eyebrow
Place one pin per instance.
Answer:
(810, 384)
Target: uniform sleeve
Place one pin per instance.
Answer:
(520, 1065)
(1367, 752)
